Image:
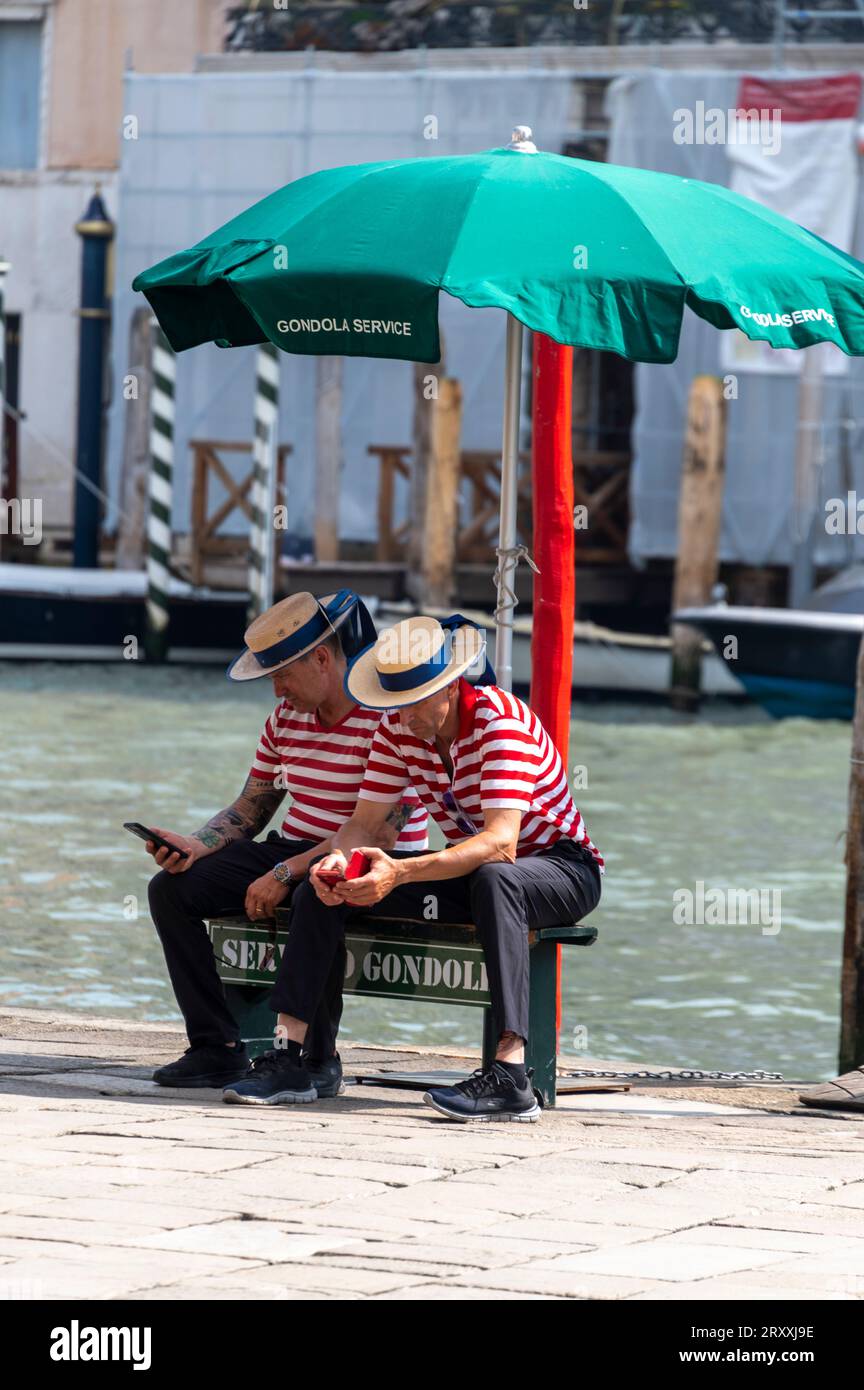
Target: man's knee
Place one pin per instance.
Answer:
(303, 895)
(304, 903)
(491, 885)
(170, 893)
(161, 891)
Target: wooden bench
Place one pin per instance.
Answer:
(394, 958)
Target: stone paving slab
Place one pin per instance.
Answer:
(675, 1259)
(111, 1187)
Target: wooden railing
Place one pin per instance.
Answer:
(477, 539)
(393, 460)
(207, 466)
(601, 482)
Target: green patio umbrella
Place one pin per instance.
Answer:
(350, 261)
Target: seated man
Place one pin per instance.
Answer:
(314, 745)
(518, 854)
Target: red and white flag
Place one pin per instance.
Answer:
(793, 146)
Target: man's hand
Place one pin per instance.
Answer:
(264, 895)
(169, 861)
(335, 861)
(383, 876)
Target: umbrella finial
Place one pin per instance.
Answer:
(521, 140)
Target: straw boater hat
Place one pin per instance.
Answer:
(412, 660)
(289, 630)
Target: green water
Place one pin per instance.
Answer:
(730, 799)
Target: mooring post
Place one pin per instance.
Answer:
(554, 547)
(852, 974)
(160, 494)
(427, 385)
(699, 513)
(441, 507)
(328, 449)
(262, 535)
(808, 448)
(135, 467)
(96, 231)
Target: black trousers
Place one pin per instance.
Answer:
(214, 887)
(559, 885)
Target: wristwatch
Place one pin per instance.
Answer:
(283, 873)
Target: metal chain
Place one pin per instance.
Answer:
(681, 1075)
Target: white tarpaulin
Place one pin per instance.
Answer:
(758, 524)
(209, 145)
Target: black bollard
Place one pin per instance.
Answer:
(96, 231)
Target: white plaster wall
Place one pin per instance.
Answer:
(38, 212)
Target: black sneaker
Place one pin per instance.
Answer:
(205, 1066)
(326, 1076)
(486, 1095)
(274, 1079)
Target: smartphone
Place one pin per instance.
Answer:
(136, 828)
(331, 877)
(357, 866)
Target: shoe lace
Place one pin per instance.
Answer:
(268, 1062)
(481, 1083)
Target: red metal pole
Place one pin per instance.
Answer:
(554, 550)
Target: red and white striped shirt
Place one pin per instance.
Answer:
(502, 757)
(322, 768)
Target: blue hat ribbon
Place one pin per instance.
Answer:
(358, 630)
(400, 681)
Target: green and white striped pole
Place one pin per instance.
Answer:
(262, 536)
(160, 494)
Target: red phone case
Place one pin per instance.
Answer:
(358, 865)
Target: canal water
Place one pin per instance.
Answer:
(729, 801)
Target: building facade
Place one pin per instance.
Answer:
(62, 121)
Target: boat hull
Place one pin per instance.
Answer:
(91, 615)
(793, 662)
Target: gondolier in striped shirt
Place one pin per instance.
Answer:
(518, 854)
(314, 747)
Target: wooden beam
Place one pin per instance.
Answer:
(699, 513)
(328, 470)
(438, 542)
(427, 384)
(135, 466)
(199, 514)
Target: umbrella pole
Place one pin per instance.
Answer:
(506, 572)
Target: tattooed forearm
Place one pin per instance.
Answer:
(243, 819)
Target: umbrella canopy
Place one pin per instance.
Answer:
(350, 261)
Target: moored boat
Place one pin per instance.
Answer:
(792, 661)
(55, 612)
